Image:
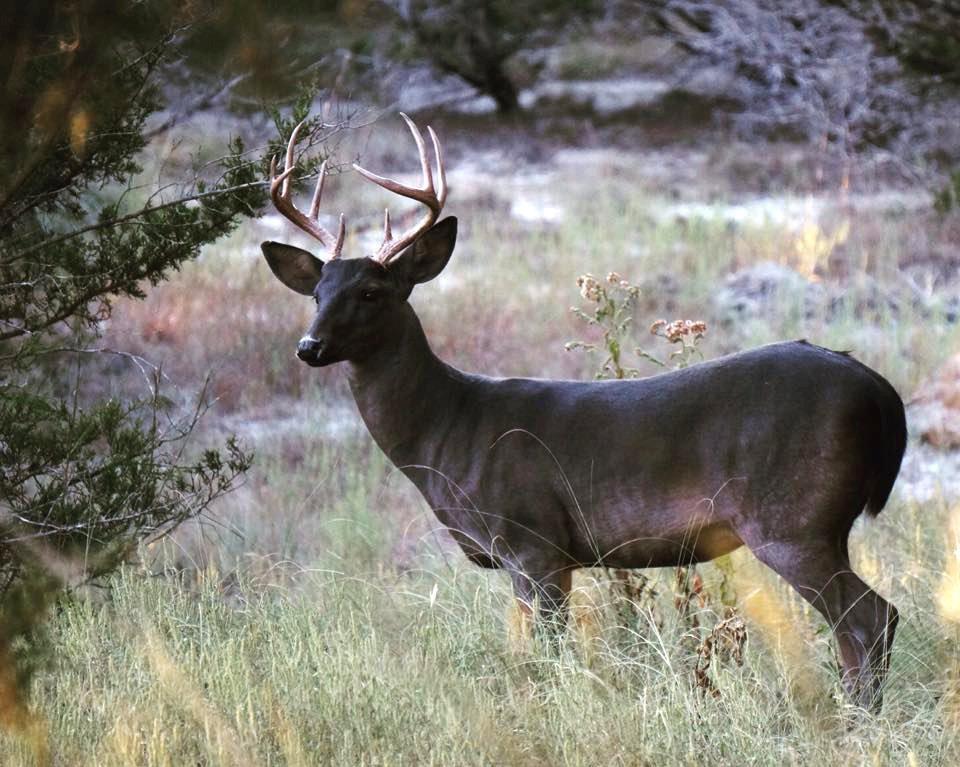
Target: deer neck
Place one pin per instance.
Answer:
(402, 391)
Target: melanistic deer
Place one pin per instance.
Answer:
(779, 448)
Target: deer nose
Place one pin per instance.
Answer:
(308, 347)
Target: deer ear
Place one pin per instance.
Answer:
(425, 259)
(296, 268)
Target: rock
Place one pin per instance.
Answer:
(769, 289)
(603, 97)
(762, 290)
(867, 299)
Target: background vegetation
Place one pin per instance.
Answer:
(317, 615)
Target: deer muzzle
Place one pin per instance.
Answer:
(309, 349)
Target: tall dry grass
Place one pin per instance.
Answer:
(351, 662)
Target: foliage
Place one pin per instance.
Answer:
(476, 41)
(24, 645)
(947, 197)
(83, 472)
(615, 302)
(612, 315)
(854, 74)
(266, 51)
(924, 36)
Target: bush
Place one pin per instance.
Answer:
(79, 471)
(476, 41)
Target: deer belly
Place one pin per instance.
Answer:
(700, 544)
(625, 532)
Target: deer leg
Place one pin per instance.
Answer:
(863, 622)
(865, 637)
(519, 626)
(546, 593)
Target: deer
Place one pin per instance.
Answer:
(779, 448)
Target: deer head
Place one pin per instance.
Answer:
(360, 301)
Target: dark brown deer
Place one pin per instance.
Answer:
(779, 448)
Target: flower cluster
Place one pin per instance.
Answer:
(614, 299)
(676, 330)
(590, 287)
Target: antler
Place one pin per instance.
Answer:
(432, 197)
(280, 194)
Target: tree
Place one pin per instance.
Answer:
(82, 470)
(855, 74)
(85, 474)
(74, 471)
(476, 41)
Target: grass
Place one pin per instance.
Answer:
(348, 663)
(322, 618)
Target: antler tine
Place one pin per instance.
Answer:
(288, 162)
(441, 171)
(280, 194)
(422, 151)
(318, 192)
(427, 194)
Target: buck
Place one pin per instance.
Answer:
(779, 448)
